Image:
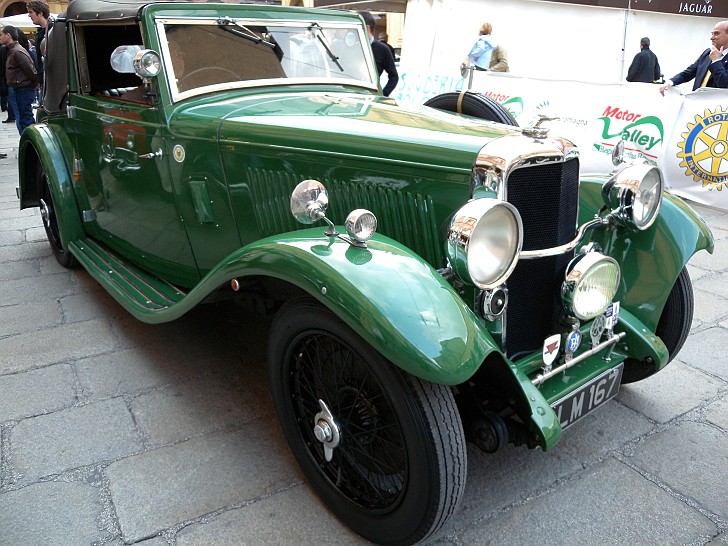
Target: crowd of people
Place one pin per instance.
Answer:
(709, 70)
(21, 67)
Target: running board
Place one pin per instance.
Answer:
(139, 292)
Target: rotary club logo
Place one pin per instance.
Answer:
(704, 150)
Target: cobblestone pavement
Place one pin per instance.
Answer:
(116, 432)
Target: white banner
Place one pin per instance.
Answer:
(696, 159)
(686, 135)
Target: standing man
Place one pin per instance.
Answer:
(644, 67)
(40, 15)
(6, 101)
(710, 69)
(382, 56)
(21, 76)
(499, 60)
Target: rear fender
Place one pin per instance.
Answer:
(40, 145)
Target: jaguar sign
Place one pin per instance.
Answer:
(702, 7)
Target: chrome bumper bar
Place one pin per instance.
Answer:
(540, 378)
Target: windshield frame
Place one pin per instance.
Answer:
(176, 95)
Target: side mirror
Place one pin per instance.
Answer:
(133, 59)
(122, 58)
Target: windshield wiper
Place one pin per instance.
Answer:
(324, 42)
(247, 34)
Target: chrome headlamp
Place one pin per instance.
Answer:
(591, 282)
(147, 63)
(635, 194)
(484, 242)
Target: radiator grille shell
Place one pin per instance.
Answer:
(547, 197)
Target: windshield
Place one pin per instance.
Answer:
(208, 55)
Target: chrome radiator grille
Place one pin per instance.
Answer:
(547, 197)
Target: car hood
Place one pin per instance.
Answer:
(343, 124)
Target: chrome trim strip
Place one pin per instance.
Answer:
(540, 378)
(555, 251)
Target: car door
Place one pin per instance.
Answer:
(122, 146)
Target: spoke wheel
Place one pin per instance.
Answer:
(383, 449)
(673, 327)
(50, 221)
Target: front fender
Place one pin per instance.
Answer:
(650, 260)
(394, 300)
(386, 293)
(40, 145)
(391, 297)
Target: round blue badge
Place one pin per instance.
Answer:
(573, 341)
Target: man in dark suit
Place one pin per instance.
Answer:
(644, 67)
(711, 68)
(382, 56)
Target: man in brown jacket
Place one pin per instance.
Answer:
(499, 60)
(21, 75)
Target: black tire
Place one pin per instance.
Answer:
(398, 472)
(473, 104)
(50, 220)
(673, 327)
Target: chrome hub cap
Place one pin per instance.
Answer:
(326, 430)
(45, 213)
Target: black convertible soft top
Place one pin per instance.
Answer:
(119, 10)
(103, 10)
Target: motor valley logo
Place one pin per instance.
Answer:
(514, 105)
(704, 149)
(641, 133)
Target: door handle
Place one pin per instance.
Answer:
(152, 155)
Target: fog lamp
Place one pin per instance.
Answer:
(591, 282)
(361, 225)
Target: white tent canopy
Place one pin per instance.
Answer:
(19, 21)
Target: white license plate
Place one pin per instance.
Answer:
(588, 397)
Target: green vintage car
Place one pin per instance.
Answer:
(437, 274)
